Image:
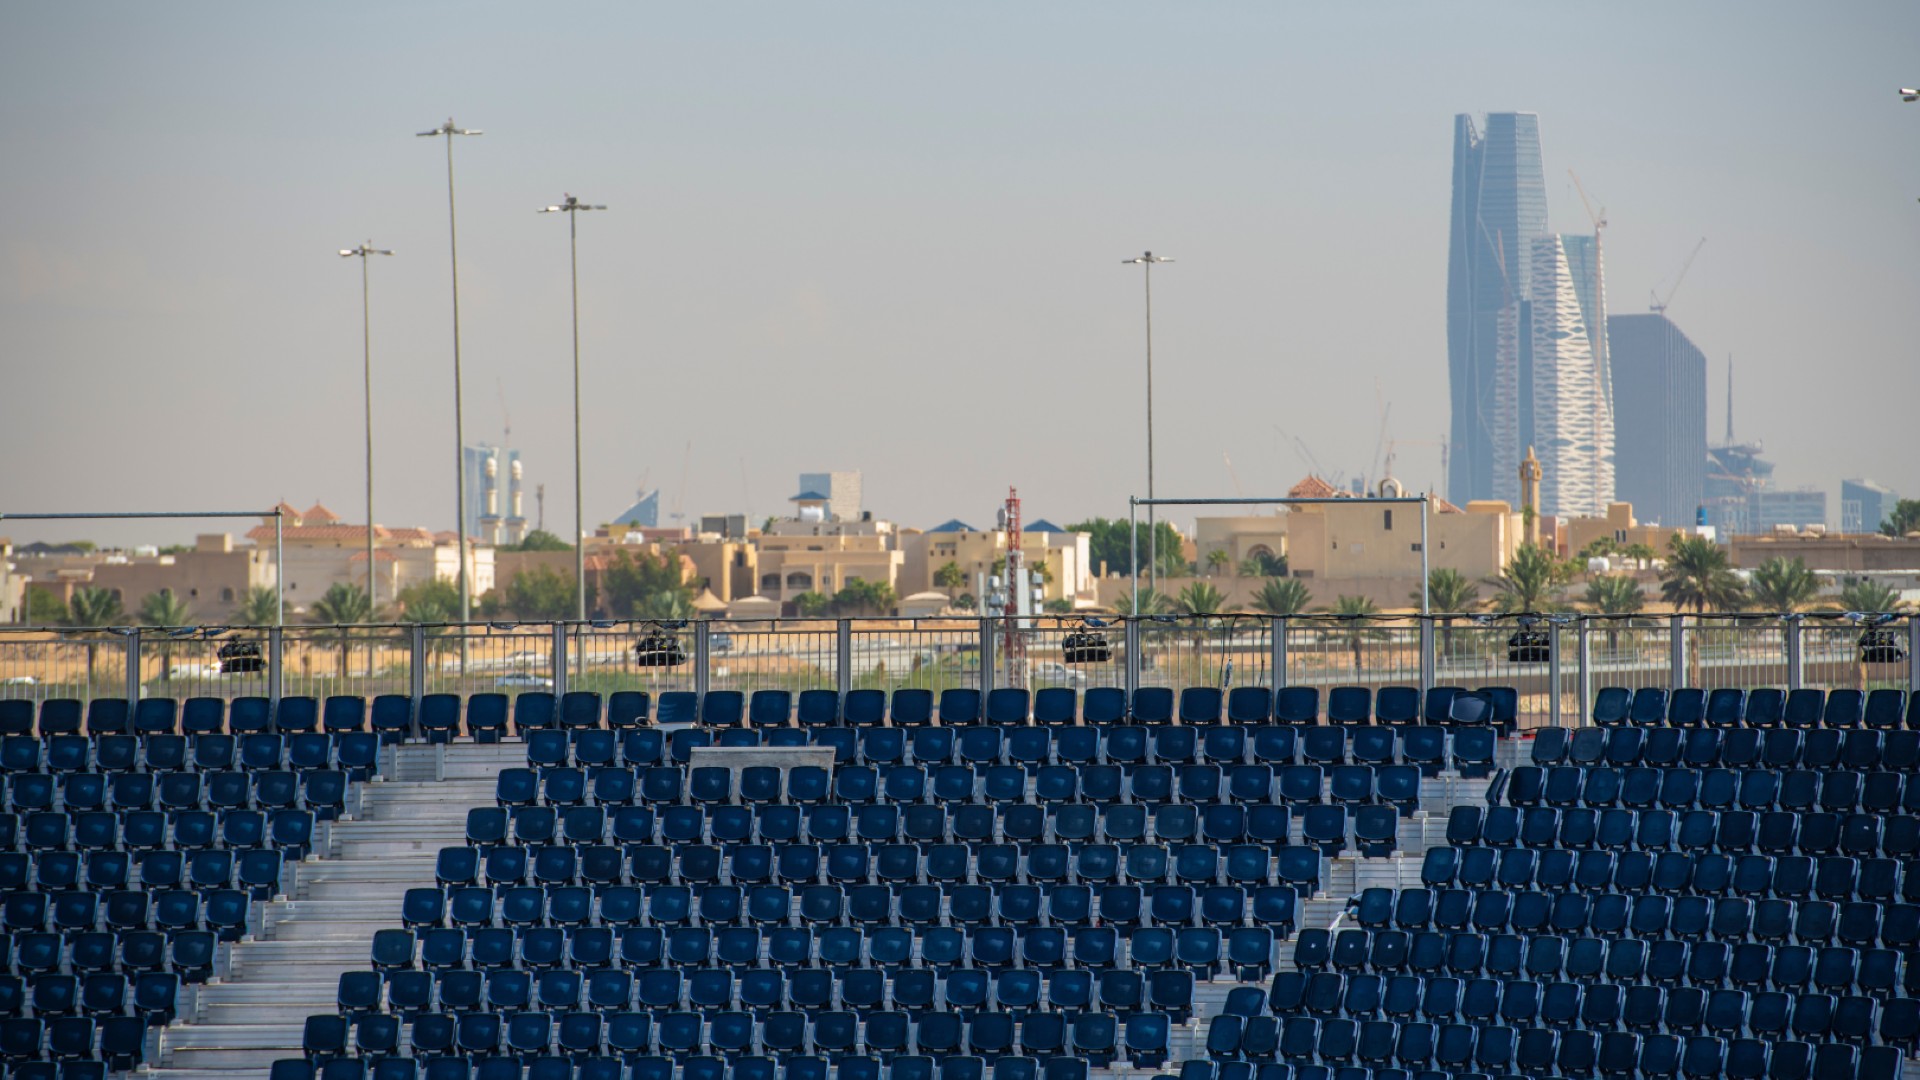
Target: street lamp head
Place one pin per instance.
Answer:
(1144, 259)
(448, 129)
(572, 205)
(1909, 95)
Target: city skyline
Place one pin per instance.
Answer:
(819, 256)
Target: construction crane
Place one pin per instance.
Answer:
(1394, 444)
(680, 497)
(1234, 475)
(1660, 306)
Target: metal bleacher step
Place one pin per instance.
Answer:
(290, 967)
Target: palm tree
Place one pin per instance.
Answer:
(1217, 561)
(1531, 581)
(950, 577)
(1862, 594)
(1698, 576)
(165, 608)
(1354, 611)
(92, 606)
(261, 607)
(1783, 586)
(1152, 602)
(1904, 519)
(1199, 598)
(1282, 596)
(1448, 591)
(1614, 594)
(343, 604)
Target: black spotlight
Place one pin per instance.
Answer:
(1529, 644)
(660, 647)
(240, 658)
(1881, 644)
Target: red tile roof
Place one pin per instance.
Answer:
(1315, 488)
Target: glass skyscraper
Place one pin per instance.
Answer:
(1499, 208)
(1660, 397)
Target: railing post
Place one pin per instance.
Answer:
(1585, 662)
(559, 659)
(1676, 651)
(989, 656)
(1426, 654)
(1133, 656)
(702, 656)
(416, 666)
(276, 662)
(1553, 674)
(1913, 654)
(843, 655)
(133, 664)
(1796, 655)
(1279, 644)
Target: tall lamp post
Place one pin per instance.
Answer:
(366, 374)
(573, 207)
(449, 130)
(1146, 261)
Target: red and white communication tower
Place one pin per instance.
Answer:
(1015, 646)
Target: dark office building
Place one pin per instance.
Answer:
(1659, 418)
(1499, 207)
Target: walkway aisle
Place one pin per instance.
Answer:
(237, 1026)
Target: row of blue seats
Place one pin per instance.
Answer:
(104, 871)
(1432, 748)
(1742, 748)
(1886, 709)
(1733, 832)
(653, 1067)
(222, 911)
(967, 823)
(119, 755)
(1543, 1052)
(1591, 1006)
(869, 905)
(764, 990)
(651, 952)
(186, 953)
(323, 790)
(1094, 1036)
(153, 996)
(1642, 786)
(184, 830)
(1674, 873)
(1826, 969)
(1769, 920)
(102, 830)
(1201, 1069)
(904, 785)
(118, 1041)
(489, 715)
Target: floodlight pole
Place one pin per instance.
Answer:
(366, 374)
(573, 208)
(449, 130)
(1146, 261)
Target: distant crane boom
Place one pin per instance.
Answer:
(1660, 306)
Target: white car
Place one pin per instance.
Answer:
(525, 681)
(1057, 673)
(20, 680)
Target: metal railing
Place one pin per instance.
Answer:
(1582, 654)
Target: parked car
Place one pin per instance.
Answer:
(525, 680)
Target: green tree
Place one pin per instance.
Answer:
(1783, 585)
(1199, 598)
(260, 607)
(91, 606)
(1108, 544)
(1217, 561)
(645, 586)
(1862, 594)
(1904, 519)
(1614, 594)
(1152, 602)
(539, 592)
(1448, 590)
(1354, 628)
(1060, 606)
(165, 608)
(1600, 548)
(435, 595)
(344, 604)
(812, 605)
(44, 608)
(950, 577)
(862, 597)
(1263, 564)
(1531, 581)
(965, 602)
(1282, 596)
(1698, 576)
(539, 540)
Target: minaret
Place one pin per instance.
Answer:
(1530, 474)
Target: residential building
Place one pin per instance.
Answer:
(1058, 560)
(810, 554)
(322, 551)
(212, 577)
(1499, 207)
(1620, 527)
(1864, 505)
(837, 493)
(1659, 383)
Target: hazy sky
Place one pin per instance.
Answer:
(888, 237)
